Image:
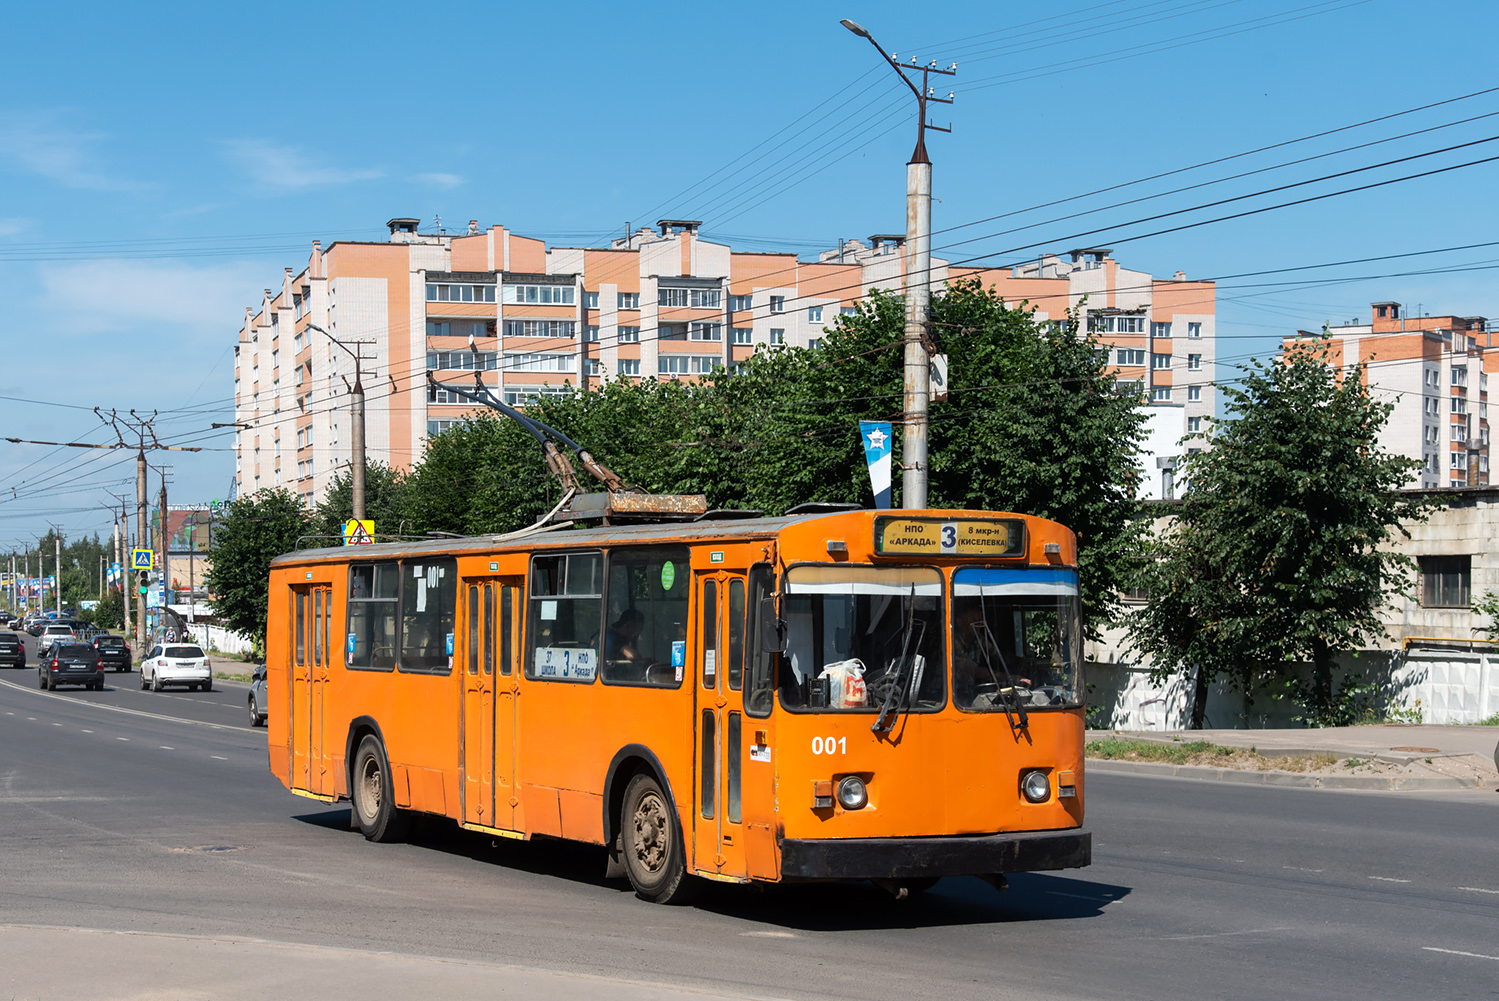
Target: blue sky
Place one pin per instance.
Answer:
(160, 165)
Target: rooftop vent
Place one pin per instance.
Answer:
(671, 227)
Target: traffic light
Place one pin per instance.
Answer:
(144, 581)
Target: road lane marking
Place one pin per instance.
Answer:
(1224, 934)
(768, 934)
(1389, 879)
(1079, 896)
(122, 709)
(1457, 952)
(1297, 868)
(122, 738)
(32, 718)
(1477, 889)
(165, 747)
(57, 724)
(88, 731)
(218, 757)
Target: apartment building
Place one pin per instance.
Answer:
(1434, 371)
(528, 320)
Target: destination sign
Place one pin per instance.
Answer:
(992, 537)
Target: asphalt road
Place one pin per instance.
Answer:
(148, 852)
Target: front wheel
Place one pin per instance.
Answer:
(143, 679)
(41, 681)
(374, 796)
(655, 857)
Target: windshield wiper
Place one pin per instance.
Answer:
(1005, 700)
(906, 674)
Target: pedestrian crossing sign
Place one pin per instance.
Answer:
(142, 559)
(359, 533)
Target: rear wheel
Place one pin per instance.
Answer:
(373, 795)
(155, 682)
(208, 686)
(254, 712)
(655, 857)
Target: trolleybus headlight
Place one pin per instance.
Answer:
(1036, 786)
(851, 793)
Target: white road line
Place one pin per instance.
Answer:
(122, 738)
(88, 731)
(1477, 889)
(122, 709)
(32, 718)
(57, 724)
(166, 748)
(1389, 879)
(1457, 952)
(218, 757)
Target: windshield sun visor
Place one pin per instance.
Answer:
(927, 583)
(993, 582)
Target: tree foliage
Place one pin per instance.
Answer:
(384, 503)
(254, 530)
(1280, 553)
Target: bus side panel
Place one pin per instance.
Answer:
(278, 680)
(560, 740)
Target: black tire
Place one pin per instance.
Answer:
(156, 683)
(651, 841)
(373, 795)
(41, 680)
(143, 679)
(208, 685)
(255, 718)
(51, 684)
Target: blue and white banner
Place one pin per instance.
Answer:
(876, 436)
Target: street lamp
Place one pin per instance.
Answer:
(918, 276)
(356, 426)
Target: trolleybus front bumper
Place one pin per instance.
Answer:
(894, 858)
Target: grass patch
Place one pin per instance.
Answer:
(231, 676)
(1491, 721)
(1202, 752)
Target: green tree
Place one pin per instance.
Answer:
(253, 531)
(384, 503)
(110, 612)
(1291, 512)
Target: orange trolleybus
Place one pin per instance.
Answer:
(833, 694)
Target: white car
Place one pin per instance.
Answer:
(175, 664)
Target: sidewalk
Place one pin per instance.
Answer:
(1409, 757)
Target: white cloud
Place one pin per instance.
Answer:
(439, 180)
(148, 299)
(34, 145)
(14, 225)
(282, 168)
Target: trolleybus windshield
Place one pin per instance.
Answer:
(1016, 637)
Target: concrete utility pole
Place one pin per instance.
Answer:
(918, 276)
(356, 422)
(166, 579)
(57, 567)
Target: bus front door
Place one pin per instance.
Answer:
(718, 822)
(489, 703)
(312, 609)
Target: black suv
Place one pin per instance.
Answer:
(113, 652)
(12, 650)
(71, 664)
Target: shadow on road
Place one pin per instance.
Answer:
(804, 906)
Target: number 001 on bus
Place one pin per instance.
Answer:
(810, 697)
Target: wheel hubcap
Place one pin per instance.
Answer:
(650, 832)
(369, 781)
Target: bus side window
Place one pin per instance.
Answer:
(567, 602)
(507, 630)
(371, 642)
(488, 628)
(429, 590)
(471, 658)
(299, 627)
(759, 694)
(736, 633)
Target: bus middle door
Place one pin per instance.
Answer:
(489, 703)
(311, 610)
(718, 834)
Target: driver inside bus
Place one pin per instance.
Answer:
(976, 664)
(623, 641)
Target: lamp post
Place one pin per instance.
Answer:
(918, 276)
(356, 425)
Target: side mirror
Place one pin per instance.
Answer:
(772, 629)
(259, 673)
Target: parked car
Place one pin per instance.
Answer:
(71, 664)
(257, 696)
(113, 651)
(51, 634)
(12, 650)
(178, 664)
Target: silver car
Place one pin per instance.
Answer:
(257, 696)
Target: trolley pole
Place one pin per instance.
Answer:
(918, 262)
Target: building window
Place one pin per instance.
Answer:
(1432, 405)
(742, 335)
(848, 310)
(591, 332)
(1459, 405)
(1130, 356)
(1194, 425)
(1099, 324)
(740, 303)
(629, 366)
(1459, 432)
(1160, 330)
(1194, 330)
(814, 343)
(666, 332)
(691, 298)
(814, 314)
(1129, 387)
(629, 300)
(541, 295)
(705, 331)
(460, 328)
(687, 364)
(777, 335)
(445, 396)
(1160, 394)
(540, 363)
(461, 361)
(1194, 394)
(592, 366)
(1459, 375)
(778, 304)
(1158, 360)
(628, 335)
(1431, 377)
(520, 396)
(539, 328)
(1194, 363)
(435, 428)
(1459, 460)
(461, 293)
(1445, 581)
(590, 300)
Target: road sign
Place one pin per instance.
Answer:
(142, 559)
(359, 533)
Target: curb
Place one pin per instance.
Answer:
(1292, 780)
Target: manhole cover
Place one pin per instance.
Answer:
(1419, 750)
